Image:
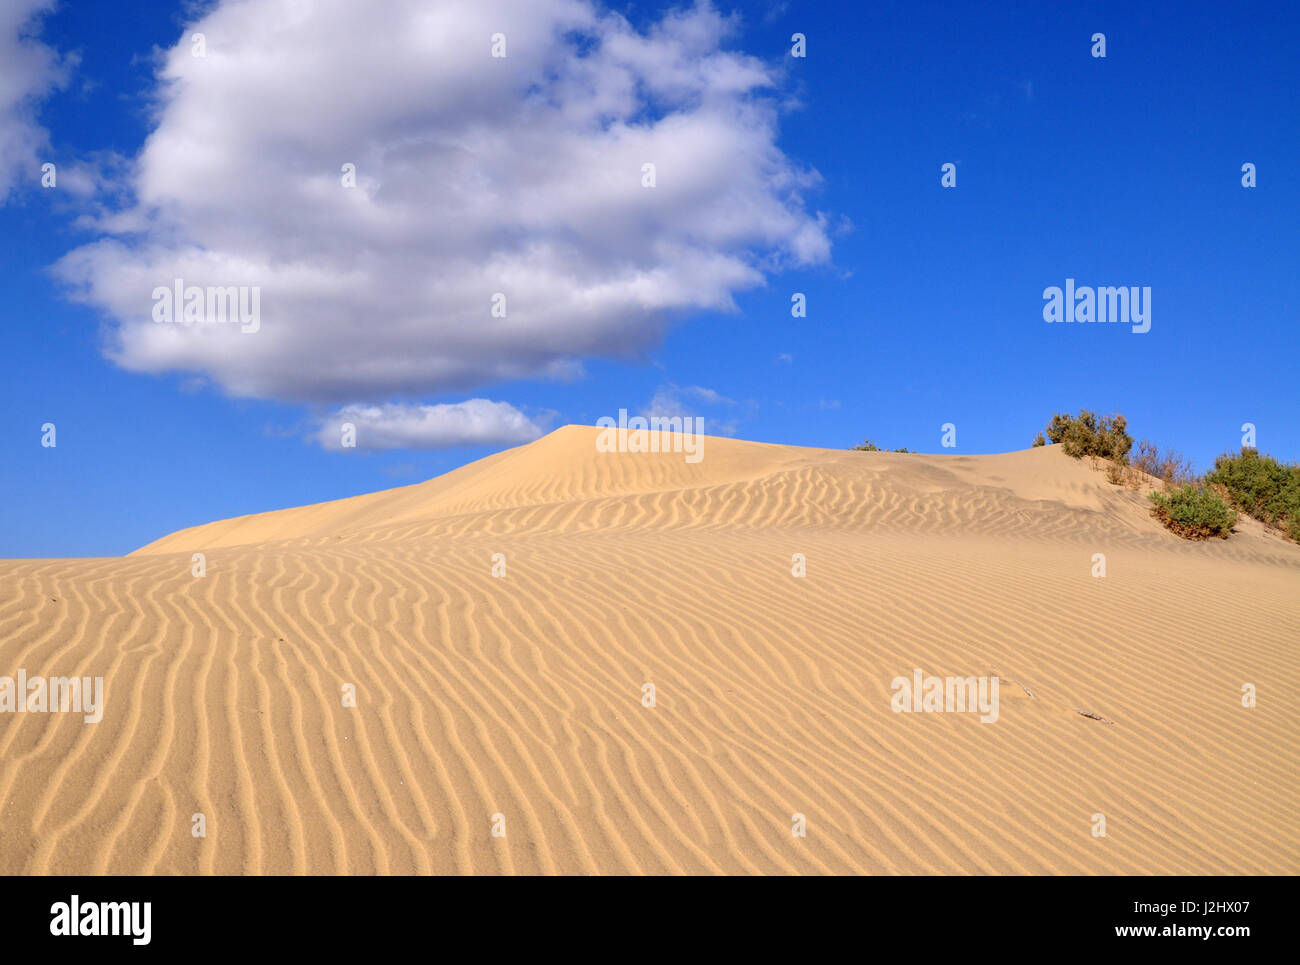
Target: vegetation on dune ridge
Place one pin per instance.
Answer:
(1196, 507)
(1191, 505)
(1087, 435)
(1187, 506)
(869, 446)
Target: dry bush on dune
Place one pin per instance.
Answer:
(1169, 466)
(1122, 474)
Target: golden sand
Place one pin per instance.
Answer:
(521, 696)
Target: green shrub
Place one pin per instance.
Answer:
(1261, 487)
(1086, 435)
(1193, 512)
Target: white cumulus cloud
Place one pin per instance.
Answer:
(476, 176)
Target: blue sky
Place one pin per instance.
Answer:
(926, 310)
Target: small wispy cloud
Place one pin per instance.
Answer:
(672, 400)
(694, 400)
(475, 422)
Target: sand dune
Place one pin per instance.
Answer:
(521, 695)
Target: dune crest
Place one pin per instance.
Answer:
(562, 483)
(499, 625)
